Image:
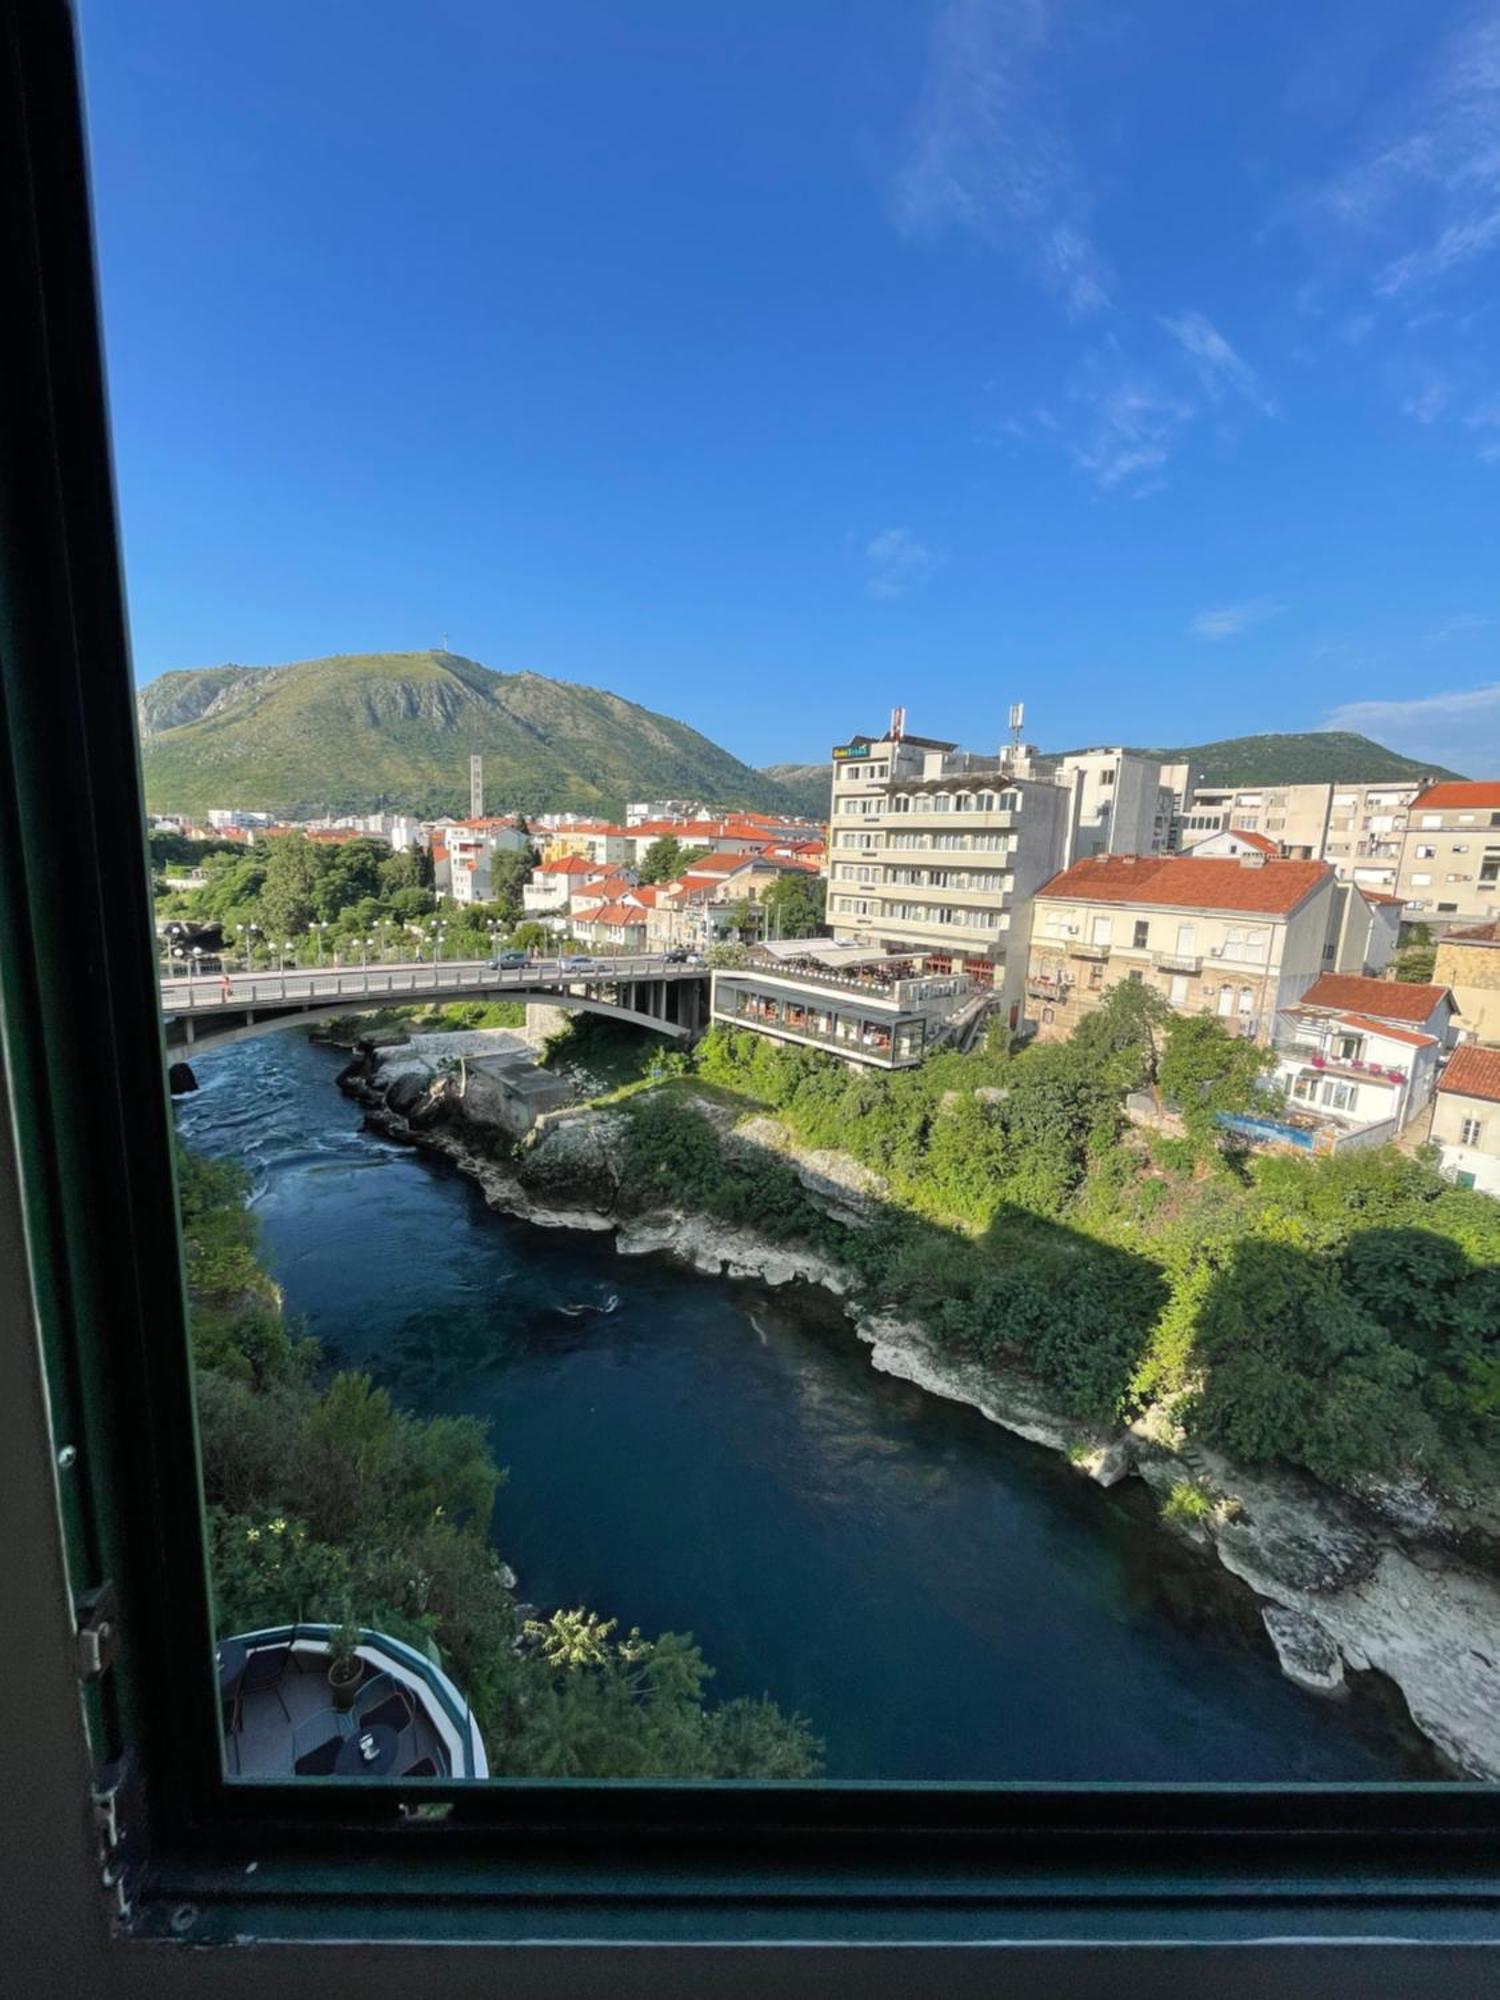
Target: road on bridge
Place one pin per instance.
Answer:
(193, 998)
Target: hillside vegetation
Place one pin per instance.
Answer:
(808, 786)
(1301, 757)
(1339, 1314)
(394, 731)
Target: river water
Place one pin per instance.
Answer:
(939, 1599)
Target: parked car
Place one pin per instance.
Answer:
(509, 961)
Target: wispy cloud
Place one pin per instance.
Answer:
(1228, 621)
(897, 561)
(1130, 425)
(1220, 370)
(988, 148)
(1428, 403)
(1432, 184)
(1460, 730)
(1457, 627)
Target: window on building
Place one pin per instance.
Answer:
(1470, 1131)
(1101, 930)
(1447, 909)
(1140, 932)
(1247, 999)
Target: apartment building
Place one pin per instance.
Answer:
(938, 851)
(1357, 828)
(1466, 1119)
(1450, 853)
(1237, 938)
(1468, 963)
(1122, 804)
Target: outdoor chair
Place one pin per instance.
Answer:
(320, 1760)
(262, 1675)
(396, 1711)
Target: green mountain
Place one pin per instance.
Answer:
(807, 785)
(1306, 757)
(394, 731)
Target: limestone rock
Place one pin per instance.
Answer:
(1307, 1653)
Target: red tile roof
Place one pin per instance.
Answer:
(1411, 1036)
(1473, 1072)
(1460, 796)
(1378, 895)
(1262, 842)
(1179, 881)
(617, 913)
(1381, 999)
(1473, 934)
(572, 864)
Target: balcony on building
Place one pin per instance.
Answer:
(397, 1715)
(1177, 961)
(865, 1005)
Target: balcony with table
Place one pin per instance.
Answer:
(396, 1714)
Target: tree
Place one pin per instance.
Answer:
(530, 937)
(665, 859)
(794, 905)
(1205, 1071)
(1125, 1035)
(508, 876)
(294, 872)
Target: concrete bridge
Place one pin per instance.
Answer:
(646, 991)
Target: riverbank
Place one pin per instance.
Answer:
(1342, 1587)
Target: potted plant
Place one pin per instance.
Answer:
(345, 1668)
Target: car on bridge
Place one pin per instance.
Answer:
(579, 962)
(510, 961)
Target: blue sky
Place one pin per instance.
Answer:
(777, 361)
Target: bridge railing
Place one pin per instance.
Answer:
(234, 990)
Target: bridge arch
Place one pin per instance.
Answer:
(259, 1005)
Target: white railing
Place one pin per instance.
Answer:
(220, 992)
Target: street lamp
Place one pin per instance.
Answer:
(197, 956)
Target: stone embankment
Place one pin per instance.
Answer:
(1343, 1585)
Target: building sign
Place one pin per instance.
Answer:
(846, 751)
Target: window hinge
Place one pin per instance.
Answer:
(119, 1826)
(97, 1619)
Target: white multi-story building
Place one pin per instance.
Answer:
(1124, 804)
(1363, 1053)
(938, 851)
(1450, 853)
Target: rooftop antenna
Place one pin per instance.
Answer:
(1017, 724)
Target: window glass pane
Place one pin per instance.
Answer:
(680, 1258)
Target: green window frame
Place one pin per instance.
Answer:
(502, 1860)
